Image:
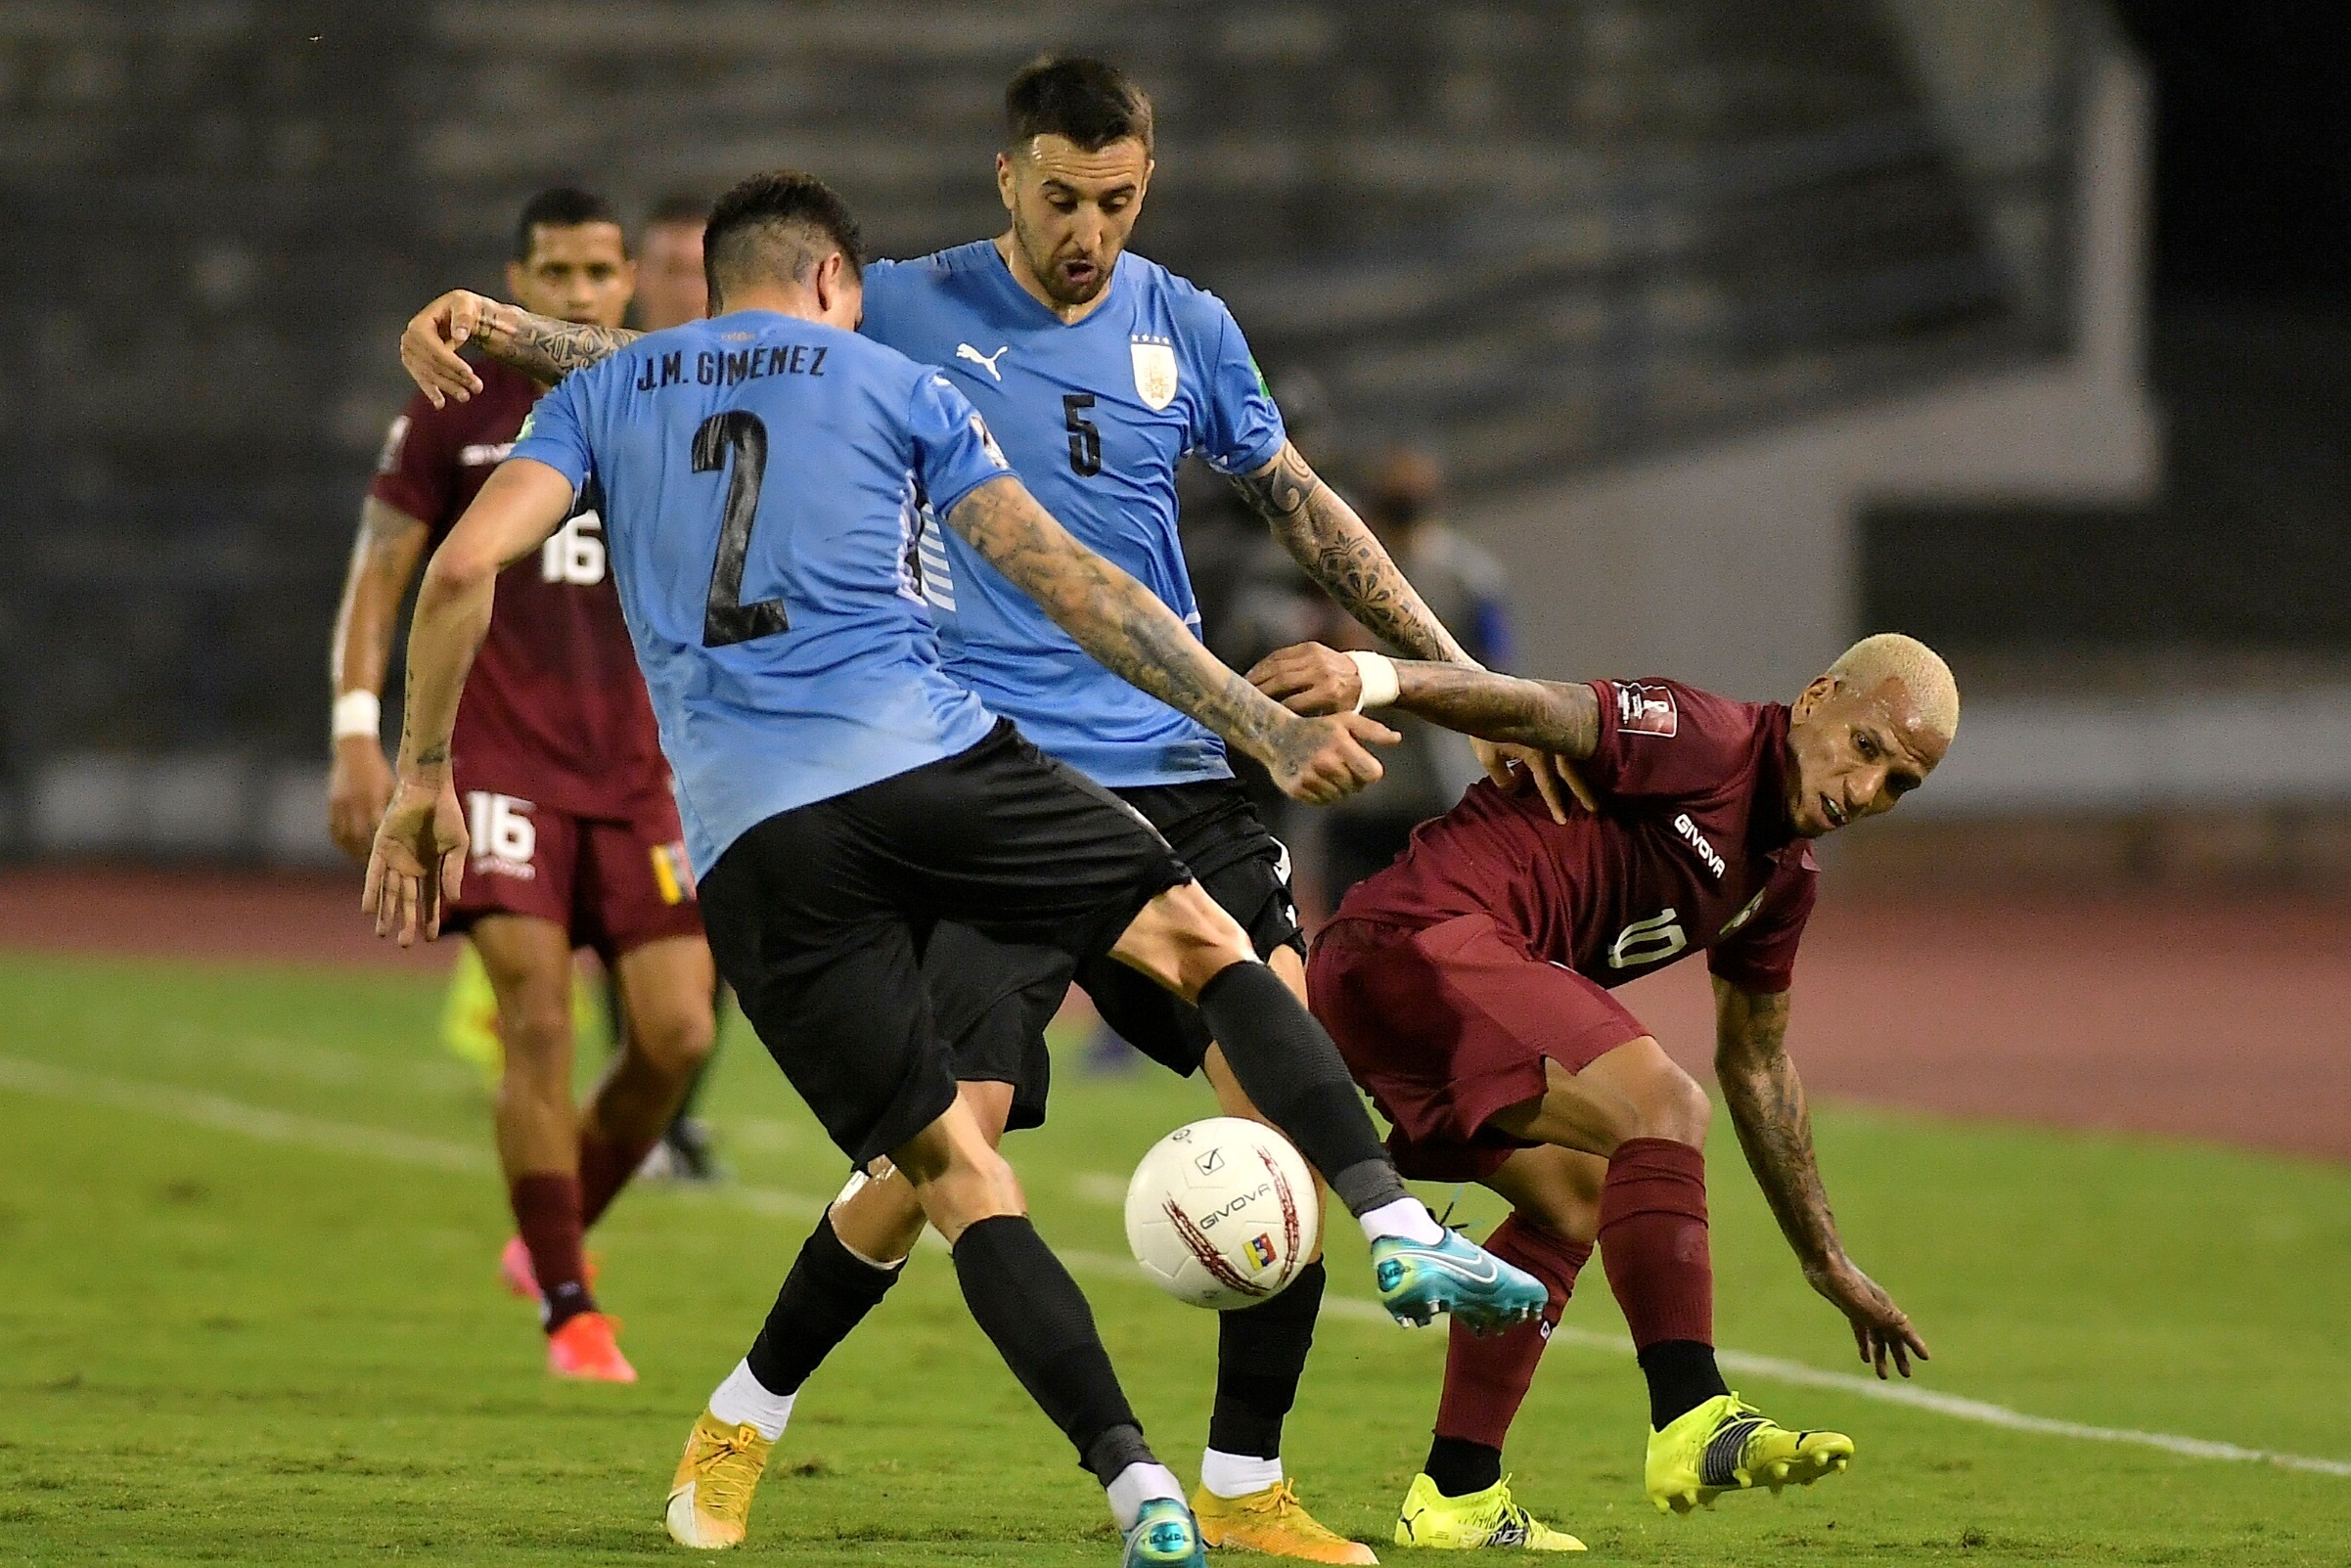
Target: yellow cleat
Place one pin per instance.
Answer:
(710, 1497)
(1726, 1445)
(470, 1018)
(1482, 1519)
(1275, 1522)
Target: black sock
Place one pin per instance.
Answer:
(1260, 1356)
(1460, 1466)
(828, 1293)
(1025, 1302)
(1294, 1074)
(1682, 1376)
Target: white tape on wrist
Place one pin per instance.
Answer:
(1377, 673)
(358, 713)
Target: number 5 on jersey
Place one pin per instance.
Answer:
(726, 618)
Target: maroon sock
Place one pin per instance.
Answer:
(546, 1206)
(1486, 1378)
(604, 1170)
(1652, 1240)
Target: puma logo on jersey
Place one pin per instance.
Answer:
(1706, 852)
(967, 351)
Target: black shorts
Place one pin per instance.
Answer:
(818, 917)
(993, 1001)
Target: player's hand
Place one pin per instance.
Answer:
(417, 861)
(428, 347)
(1309, 678)
(1881, 1329)
(359, 785)
(1323, 760)
(1512, 767)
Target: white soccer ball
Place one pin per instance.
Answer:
(1222, 1213)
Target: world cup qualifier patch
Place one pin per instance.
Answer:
(1647, 710)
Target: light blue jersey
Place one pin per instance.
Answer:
(764, 480)
(1095, 416)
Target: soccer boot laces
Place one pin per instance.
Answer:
(710, 1497)
(1417, 1280)
(1726, 1445)
(1274, 1522)
(1491, 1518)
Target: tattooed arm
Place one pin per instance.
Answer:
(1126, 627)
(1767, 1104)
(1325, 537)
(539, 346)
(1557, 720)
(420, 850)
(383, 559)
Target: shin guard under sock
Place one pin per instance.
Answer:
(1486, 1376)
(1027, 1305)
(604, 1170)
(1260, 1356)
(1654, 1246)
(546, 1205)
(1292, 1073)
(827, 1294)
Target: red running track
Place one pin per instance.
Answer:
(2222, 1017)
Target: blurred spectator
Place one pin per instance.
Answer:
(1462, 586)
(670, 290)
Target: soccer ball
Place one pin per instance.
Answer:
(1222, 1213)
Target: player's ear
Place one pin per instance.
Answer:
(514, 280)
(1006, 178)
(1812, 696)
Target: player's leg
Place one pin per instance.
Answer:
(1461, 1498)
(528, 960)
(1648, 1118)
(665, 988)
(804, 924)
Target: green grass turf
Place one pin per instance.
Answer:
(217, 1348)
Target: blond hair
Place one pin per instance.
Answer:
(1892, 656)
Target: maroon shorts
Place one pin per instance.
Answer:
(1447, 1026)
(613, 882)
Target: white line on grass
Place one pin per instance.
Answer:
(223, 1114)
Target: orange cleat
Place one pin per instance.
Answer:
(521, 1282)
(584, 1348)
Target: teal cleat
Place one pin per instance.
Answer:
(1165, 1536)
(1456, 1275)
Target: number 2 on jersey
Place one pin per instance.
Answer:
(727, 620)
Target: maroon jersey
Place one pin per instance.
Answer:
(1694, 849)
(554, 710)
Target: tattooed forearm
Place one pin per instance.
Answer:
(1324, 536)
(1768, 1108)
(544, 348)
(1116, 619)
(1562, 720)
(384, 557)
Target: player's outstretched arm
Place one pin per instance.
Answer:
(384, 560)
(1334, 547)
(540, 346)
(420, 851)
(1767, 1104)
(1558, 720)
(1126, 627)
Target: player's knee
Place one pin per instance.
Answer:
(1183, 939)
(1672, 1105)
(534, 1026)
(675, 1041)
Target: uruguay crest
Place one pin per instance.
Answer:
(1154, 371)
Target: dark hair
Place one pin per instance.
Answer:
(1091, 102)
(678, 208)
(559, 208)
(777, 225)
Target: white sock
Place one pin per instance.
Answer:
(1407, 1218)
(1136, 1485)
(1237, 1475)
(744, 1401)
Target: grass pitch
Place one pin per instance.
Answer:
(248, 1314)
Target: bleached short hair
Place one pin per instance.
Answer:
(1890, 655)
